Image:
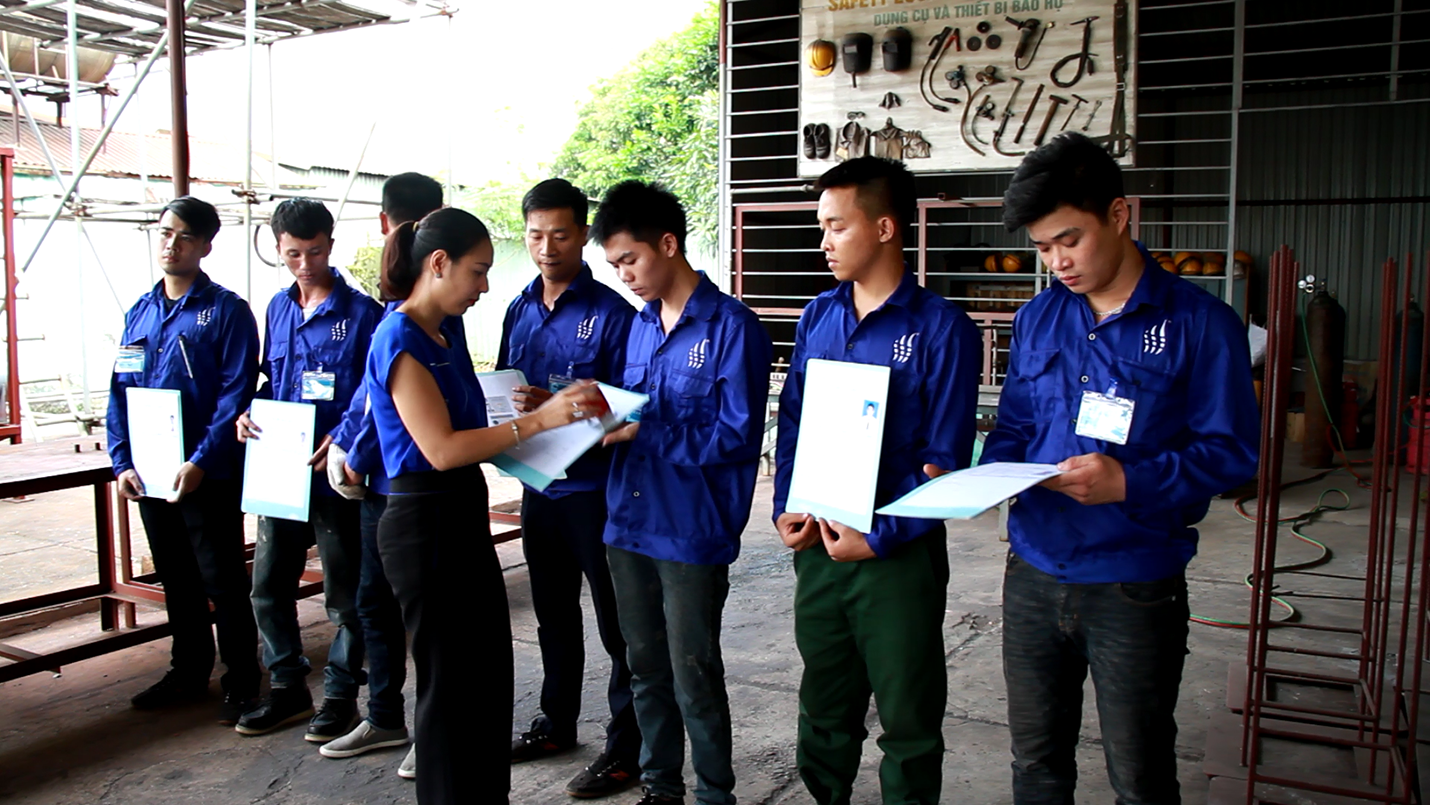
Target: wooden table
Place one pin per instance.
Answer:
(33, 469)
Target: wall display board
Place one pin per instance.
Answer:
(948, 86)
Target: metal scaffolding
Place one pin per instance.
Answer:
(140, 31)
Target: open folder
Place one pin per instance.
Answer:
(968, 493)
(543, 458)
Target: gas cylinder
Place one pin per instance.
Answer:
(1326, 349)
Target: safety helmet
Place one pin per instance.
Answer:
(820, 56)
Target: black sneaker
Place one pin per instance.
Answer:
(537, 743)
(233, 708)
(603, 778)
(171, 690)
(282, 706)
(334, 719)
(649, 797)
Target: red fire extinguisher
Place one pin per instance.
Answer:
(1417, 452)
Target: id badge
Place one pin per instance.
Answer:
(1106, 417)
(319, 386)
(555, 383)
(130, 359)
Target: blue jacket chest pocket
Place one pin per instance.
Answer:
(692, 396)
(1158, 412)
(581, 360)
(1038, 368)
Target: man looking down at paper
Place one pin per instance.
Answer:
(1137, 384)
(869, 608)
(434, 536)
(681, 485)
(314, 349)
(200, 338)
(563, 327)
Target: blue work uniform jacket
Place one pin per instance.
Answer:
(333, 340)
(1181, 355)
(206, 346)
(582, 336)
(357, 433)
(682, 489)
(932, 350)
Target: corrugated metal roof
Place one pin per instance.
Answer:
(130, 154)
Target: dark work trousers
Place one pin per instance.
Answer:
(382, 631)
(865, 628)
(1133, 637)
(561, 538)
(197, 545)
(436, 547)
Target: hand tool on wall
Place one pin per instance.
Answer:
(1080, 101)
(1007, 112)
(938, 45)
(989, 75)
(965, 127)
(957, 79)
(1054, 101)
(994, 41)
(1018, 138)
(1083, 57)
(974, 43)
(1027, 43)
(1095, 107)
(1118, 140)
(986, 109)
(858, 50)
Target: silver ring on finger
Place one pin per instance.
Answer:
(578, 414)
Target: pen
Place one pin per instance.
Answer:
(184, 351)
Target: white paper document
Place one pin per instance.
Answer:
(543, 458)
(277, 480)
(841, 431)
(156, 438)
(497, 388)
(968, 493)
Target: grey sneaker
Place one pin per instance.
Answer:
(408, 769)
(364, 738)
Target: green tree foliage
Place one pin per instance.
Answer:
(656, 120)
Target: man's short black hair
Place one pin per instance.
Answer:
(556, 194)
(1070, 169)
(199, 215)
(882, 187)
(409, 197)
(644, 211)
(303, 218)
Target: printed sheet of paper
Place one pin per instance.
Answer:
(968, 493)
(544, 457)
(841, 430)
(156, 438)
(277, 480)
(497, 388)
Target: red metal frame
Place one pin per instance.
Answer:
(10, 430)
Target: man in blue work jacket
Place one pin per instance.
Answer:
(869, 608)
(354, 456)
(314, 352)
(1137, 384)
(680, 490)
(563, 327)
(194, 336)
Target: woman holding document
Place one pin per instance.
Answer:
(433, 537)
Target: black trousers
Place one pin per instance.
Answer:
(562, 540)
(197, 545)
(437, 550)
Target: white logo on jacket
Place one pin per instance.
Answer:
(904, 348)
(697, 354)
(205, 316)
(1154, 338)
(586, 328)
(340, 330)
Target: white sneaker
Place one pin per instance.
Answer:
(408, 769)
(364, 738)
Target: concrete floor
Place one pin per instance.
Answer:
(73, 739)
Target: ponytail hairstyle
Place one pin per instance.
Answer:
(449, 230)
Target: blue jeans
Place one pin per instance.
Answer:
(1133, 637)
(383, 634)
(670, 617)
(278, 563)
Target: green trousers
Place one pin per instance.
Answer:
(873, 627)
